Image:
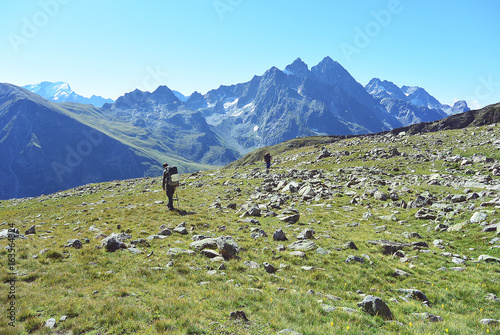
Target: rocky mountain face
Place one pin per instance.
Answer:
(44, 150)
(295, 102)
(168, 121)
(411, 105)
(62, 92)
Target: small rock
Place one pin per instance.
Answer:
(352, 258)
(414, 294)
(489, 321)
(74, 243)
(50, 323)
(239, 315)
(31, 230)
(429, 317)
(288, 332)
(492, 296)
(269, 268)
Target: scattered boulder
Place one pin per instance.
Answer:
(492, 297)
(489, 322)
(428, 317)
(204, 243)
(181, 229)
(239, 315)
(389, 247)
(400, 273)
(279, 235)
(303, 245)
(288, 332)
(74, 243)
(50, 323)
(478, 217)
(228, 247)
(488, 259)
(415, 295)
(115, 242)
(350, 245)
(425, 214)
(269, 268)
(31, 231)
(375, 306)
(352, 258)
(293, 218)
(307, 233)
(251, 264)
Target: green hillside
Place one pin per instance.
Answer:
(410, 219)
(135, 137)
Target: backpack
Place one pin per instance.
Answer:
(173, 176)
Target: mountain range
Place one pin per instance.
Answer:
(62, 92)
(53, 146)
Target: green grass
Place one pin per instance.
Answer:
(123, 293)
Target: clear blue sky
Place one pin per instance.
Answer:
(108, 48)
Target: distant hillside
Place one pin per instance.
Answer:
(46, 148)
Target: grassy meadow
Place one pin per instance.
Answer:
(158, 292)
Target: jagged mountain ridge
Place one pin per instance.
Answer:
(225, 123)
(296, 102)
(411, 104)
(62, 92)
(166, 120)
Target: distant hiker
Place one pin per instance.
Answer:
(169, 184)
(267, 158)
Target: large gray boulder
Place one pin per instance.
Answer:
(228, 247)
(279, 235)
(206, 243)
(303, 245)
(115, 242)
(375, 306)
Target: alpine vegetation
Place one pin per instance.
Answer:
(391, 233)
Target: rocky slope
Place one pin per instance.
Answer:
(393, 233)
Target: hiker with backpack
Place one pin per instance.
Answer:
(267, 159)
(169, 183)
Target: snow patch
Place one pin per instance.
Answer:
(255, 128)
(228, 105)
